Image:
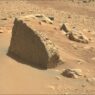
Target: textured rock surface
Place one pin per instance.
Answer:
(72, 73)
(41, 17)
(44, 18)
(77, 36)
(32, 46)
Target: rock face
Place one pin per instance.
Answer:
(32, 46)
(77, 36)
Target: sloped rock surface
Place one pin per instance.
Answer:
(32, 46)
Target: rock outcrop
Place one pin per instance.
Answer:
(32, 46)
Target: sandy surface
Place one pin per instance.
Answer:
(18, 78)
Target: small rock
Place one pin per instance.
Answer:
(1, 31)
(83, 85)
(66, 93)
(44, 18)
(90, 80)
(77, 36)
(75, 46)
(57, 70)
(69, 16)
(22, 12)
(72, 73)
(80, 61)
(89, 31)
(65, 27)
(51, 87)
(93, 58)
(93, 33)
(4, 19)
(51, 18)
(58, 78)
(40, 23)
(55, 28)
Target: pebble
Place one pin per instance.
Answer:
(58, 77)
(51, 87)
(75, 46)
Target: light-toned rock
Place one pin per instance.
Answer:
(91, 80)
(74, 46)
(43, 18)
(77, 36)
(93, 58)
(51, 87)
(40, 17)
(1, 30)
(58, 77)
(32, 46)
(72, 73)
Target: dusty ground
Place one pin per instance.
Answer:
(18, 78)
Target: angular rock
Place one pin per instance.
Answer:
(44, 18)
(72, 73)
(32, 46)
(41, 17)
(51, 18)
(77, 36)
(65, 27)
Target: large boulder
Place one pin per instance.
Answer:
(32, 46)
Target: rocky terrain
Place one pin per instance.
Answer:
(70, 27)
